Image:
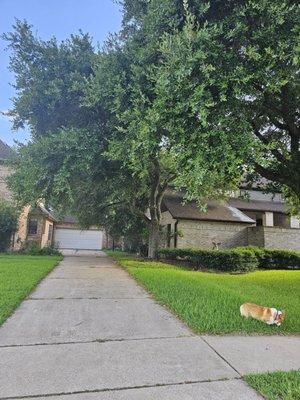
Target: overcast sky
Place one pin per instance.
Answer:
(57, 18)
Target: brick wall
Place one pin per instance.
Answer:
(274, 237)
(203, 233)
(45, 235)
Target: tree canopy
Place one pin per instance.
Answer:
(188, 94)
(8, 223)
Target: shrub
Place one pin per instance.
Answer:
(8, 223)
(275, 258)
(235, 260)
(34, 249)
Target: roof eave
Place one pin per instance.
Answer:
(215, 220)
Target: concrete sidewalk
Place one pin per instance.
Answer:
(90, 332)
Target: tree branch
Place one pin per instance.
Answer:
(276, 153)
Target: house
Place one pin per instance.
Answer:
(259, 219)
(251, 217)
(41, 226)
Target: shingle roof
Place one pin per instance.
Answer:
(69, 219)
(215, 211)
(257, 205)
(46, 212)
(6, 153)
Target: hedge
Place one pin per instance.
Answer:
(275, 258)
(235, 260)
(34, 249)
(238, 259)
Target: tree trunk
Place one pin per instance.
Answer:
(158, 189)
(154, 239)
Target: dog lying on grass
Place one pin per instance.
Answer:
(265, 314)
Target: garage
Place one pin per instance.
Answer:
(77, 239)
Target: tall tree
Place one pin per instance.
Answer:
(169, 101)
(124, 155)
(156, 151)
(239, 72)
(49, 80)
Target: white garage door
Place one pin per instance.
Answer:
(77, 239)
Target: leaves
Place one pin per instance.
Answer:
(188, 94)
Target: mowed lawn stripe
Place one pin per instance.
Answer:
(19, 274)
(209, 302)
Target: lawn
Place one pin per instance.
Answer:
(209, 302)
(276, 385)
(19, 274)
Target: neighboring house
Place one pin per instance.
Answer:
(41, 226)
(259, 220)
(36, 225)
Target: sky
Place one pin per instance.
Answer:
(58, 18)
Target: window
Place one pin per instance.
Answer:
(32, 226)
(50, 231)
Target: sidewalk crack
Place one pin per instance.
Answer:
(220, 355)
(118, 388)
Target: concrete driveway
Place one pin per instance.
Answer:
(90, 332)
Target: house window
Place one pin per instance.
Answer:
(50, 232)
(259, 222)
(32, 226)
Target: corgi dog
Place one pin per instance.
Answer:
(265, 314)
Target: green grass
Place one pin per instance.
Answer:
(19, 274)
(276, 385)
(209, 302)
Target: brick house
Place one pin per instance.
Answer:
(260, 220)
(35, 223)
(40, 225)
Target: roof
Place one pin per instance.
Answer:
(47, 212)
(257, 205)
(70, 219)
(6, 153)
(259, 184)
(41, 208)
(215, 211)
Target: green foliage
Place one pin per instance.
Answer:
(274, 258)
(231, 74)
(49, 79)
(19, 275)
(235, 260)
(34, 249)
(276, 385)
(210, 302)
(8, 223)
(188, 94)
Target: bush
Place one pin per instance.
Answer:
(235, 260)
(34, 249)
(8, 223)
(275, 258)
